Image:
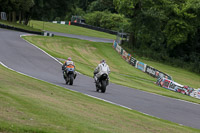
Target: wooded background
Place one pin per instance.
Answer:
(164, 30)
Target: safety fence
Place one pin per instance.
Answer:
(164, 80)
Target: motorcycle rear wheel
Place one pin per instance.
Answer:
(103, 86)
(71, 79)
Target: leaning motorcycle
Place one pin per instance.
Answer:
(69, 74)
(102, 83)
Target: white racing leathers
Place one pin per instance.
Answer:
(101, 69)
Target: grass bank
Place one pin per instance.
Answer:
(87, 55)
(21, 26)
(48, 26)
(33, 106)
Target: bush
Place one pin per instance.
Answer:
(57, 19)
(107, 20)
(94, 18)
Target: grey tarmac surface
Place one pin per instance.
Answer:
(24, 57)
(94, 39)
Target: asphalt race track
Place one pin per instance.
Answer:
(23, 57)
(94, 39)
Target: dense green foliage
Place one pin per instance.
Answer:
(165, 30)
(106, 20)
(41, 9)
(17, 9)
(101, 5)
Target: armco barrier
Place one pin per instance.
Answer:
(125, 55)
(19, 29)
(195, 93)
(95, 28)
(141, 66)
(118, 49)
(198, 93)
(164, 80)
(114, 45)
(151, 71)
(169, 84)
(132, 61)
(156, 73)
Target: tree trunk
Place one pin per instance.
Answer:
(132, 41)
(10, 16)
(26, 18)
(20, 17)
(13, 16)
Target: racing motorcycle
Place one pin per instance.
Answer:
(69, 74)
(102, 82)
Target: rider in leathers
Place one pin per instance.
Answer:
(101, 69)
(66, 63)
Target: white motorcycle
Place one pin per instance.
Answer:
(102, 83)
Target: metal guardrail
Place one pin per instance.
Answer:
(94, 28)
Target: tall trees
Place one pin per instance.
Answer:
(17, 9)
(24, 9)
(106, 20)
(165, 25)
(147, 17)
(101, 5)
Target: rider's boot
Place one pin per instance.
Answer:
(75, 75)
(95, 78)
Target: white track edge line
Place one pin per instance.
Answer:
(77, 91)
(39, 48)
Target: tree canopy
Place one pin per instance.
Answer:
(166, 26)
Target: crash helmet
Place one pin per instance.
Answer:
(69, 58)
(103, 61)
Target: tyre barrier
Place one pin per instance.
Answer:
(48, 34)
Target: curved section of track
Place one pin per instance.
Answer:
(21, 56)
(94, 39)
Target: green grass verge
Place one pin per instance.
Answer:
(17, 25)
(29, 105)
(48, 26)
(87, 55)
